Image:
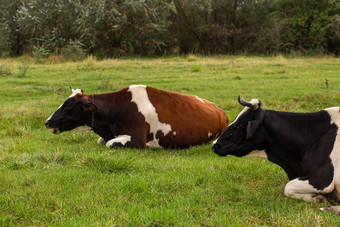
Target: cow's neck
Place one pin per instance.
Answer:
(95, 118)
(291, 135)
(107, 105)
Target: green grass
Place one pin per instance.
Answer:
(70, 180)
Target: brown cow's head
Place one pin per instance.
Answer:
(74, 114)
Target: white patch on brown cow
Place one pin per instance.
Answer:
(101, 140)
(54, 113)
(201, 100)
(123, 139)
(75, 92)
(257, 153)
(146, 108)
(209, 134)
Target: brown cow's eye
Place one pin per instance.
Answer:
(67, 108)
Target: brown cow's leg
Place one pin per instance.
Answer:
(127, 141)
(101, 140)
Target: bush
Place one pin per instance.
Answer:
(40, 52)
(73, 51)
(196, 68)
(5, 42)
(4, 70)
(22, 70)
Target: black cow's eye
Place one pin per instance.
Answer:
(233, 126)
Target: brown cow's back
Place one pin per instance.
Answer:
(192, 120)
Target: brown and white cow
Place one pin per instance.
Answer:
(138, 116)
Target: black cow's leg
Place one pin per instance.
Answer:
(302, 189)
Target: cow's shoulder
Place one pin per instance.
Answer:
(334, 113)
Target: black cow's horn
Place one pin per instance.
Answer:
(248, 104)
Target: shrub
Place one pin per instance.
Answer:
(196, 69)
(40, 52)
(5, 42)
(4, 70)
(73, 51)
(22, 70)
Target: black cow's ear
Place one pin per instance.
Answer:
(90, 107)
(251, 128)
(253, 125)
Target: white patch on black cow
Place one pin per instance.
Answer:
(335, 154)
(253, 101)
(82, 128)
(302, 189)
(214, 142)
(333, 209)
(257, 153)
(146, 108)
(123, 139)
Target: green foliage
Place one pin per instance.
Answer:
(5, 42)
(307, 25)
(48, 24)
(40, 51)
(196, 68)
(5, 70)
(118, 28)
(22, 70)
(73, 51)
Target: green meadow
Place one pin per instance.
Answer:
(70, 180)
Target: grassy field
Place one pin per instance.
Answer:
(70, 180)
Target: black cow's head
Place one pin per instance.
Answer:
(245, 134)
(73, 114)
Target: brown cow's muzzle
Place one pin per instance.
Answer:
(55, 130)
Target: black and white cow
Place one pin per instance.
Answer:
(305, 145)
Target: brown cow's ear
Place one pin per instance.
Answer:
(91, 107)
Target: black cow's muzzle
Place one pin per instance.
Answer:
(218, 149)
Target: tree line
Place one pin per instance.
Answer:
(115, 28)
